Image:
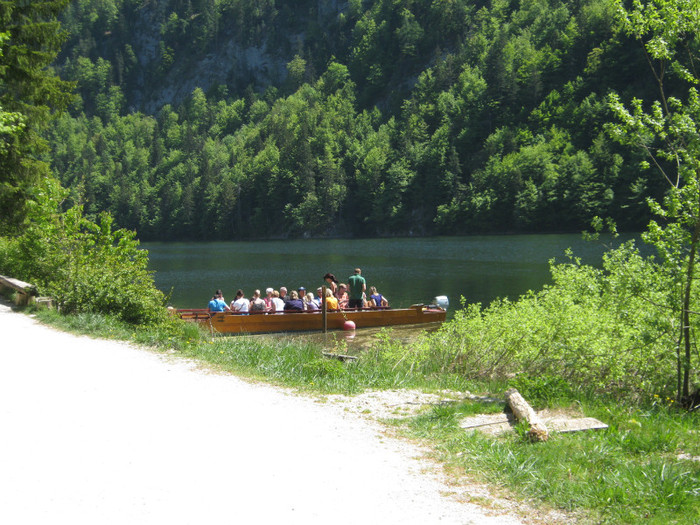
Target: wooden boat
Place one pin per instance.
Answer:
(258, 323)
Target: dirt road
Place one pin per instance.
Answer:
(99, 432)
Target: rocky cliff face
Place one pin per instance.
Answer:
(229, 64)
(229, 58)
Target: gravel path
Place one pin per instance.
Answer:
(100, 432)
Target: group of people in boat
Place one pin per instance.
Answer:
(339, 296)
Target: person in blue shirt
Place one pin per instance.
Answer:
(217, 303)
(377, 299)
(294, 303)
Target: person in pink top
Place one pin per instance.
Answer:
(342, 295)
(268, 299)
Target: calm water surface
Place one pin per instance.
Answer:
(406, 270)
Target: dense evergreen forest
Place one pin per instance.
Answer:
(226, 119)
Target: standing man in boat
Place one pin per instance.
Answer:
(357, 286)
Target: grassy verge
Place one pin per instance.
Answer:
(634, 472)
(629, 473)
(291, 363)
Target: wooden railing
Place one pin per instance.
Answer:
(203, 313)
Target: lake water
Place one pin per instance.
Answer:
(405, 270)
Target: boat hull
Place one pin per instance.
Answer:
(235, 323)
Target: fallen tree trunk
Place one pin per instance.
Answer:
(524, 412)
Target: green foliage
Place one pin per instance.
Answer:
(667, 133)
(323, 367)
(604, 331)
(543, 389)
(29, 92)
(85, 266)
(387, 118)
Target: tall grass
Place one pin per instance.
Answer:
(302, 365)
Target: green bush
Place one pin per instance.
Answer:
(543, 389)
(609, 330)
(85, 266)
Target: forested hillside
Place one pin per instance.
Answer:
(223, 119)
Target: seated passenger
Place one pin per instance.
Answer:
(277, 303)
(240, 304)
(309, 302)
(376, 299)
(268, 299)
(217, 303)
(342, 296)
(256, 303)
(294, 304)
(331, 301)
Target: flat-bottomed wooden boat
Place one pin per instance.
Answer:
(258, 323)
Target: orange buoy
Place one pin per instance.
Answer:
(348, 325)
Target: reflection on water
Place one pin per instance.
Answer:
(353, 342)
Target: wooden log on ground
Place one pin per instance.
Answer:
(524, 412)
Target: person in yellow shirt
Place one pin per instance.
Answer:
(331, 301)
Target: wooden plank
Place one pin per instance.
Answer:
(493, 424)
(577, 424)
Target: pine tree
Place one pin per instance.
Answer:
(32, 92)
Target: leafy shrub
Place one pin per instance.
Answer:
(544, 389)
(85, 266)
(609, 330)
